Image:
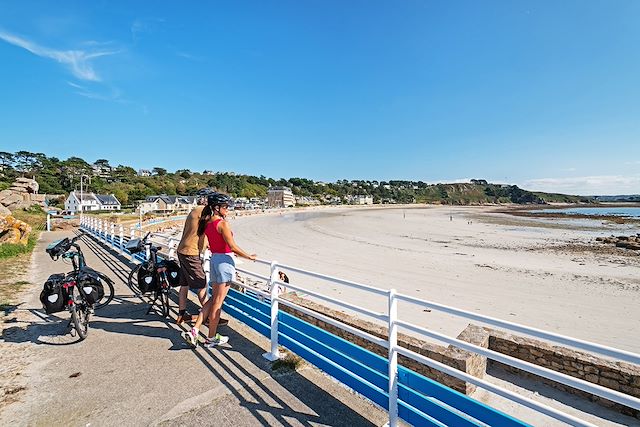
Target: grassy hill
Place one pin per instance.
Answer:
(57, 176)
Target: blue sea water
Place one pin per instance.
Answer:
(631, 211)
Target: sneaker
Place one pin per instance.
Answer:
(191, 337)
(216, 341)
(186, 317)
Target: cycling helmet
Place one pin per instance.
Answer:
(218, 199)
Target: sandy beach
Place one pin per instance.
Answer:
(545, 273)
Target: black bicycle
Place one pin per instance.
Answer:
(80, 291)
(156, 274)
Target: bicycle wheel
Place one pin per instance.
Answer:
(132, 281)
(108, 291)
(80, 317)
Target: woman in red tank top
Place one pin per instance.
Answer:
(217, 231)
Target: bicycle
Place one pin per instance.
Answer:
(155, 275)
(59, 289)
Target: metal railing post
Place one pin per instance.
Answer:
(121, 233)
(172, 249)
(393, 359)
(49, 222)
(113, 235)
(274, 354)
(100, 229)
(132, 235)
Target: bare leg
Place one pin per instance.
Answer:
(204, 313)
(219, 293)
(182, 297)
(202, 296)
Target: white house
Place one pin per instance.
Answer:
(91, 202)
(362, 200)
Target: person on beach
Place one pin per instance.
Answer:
(217, 231)
(191, 272)
(283, 278)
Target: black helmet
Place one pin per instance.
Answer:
(218, 199)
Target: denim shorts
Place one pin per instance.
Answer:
(222, 268)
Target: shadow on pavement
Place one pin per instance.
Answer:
(246, 377)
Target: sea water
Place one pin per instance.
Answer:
(631, 211)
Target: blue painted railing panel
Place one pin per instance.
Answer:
(364, 356)
(430, 388)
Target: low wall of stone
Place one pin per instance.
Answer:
(462, 360)
(619, 376)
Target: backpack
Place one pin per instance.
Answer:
(53, 296)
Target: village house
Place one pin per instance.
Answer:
(91, 202)
(167, 204)
(360, 200)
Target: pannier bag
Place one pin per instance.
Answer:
(147, 280)
(134, 246)
(173, 272)
(92, 286)
(53, 296)
(58, 248)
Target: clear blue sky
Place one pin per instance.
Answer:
(544, 94)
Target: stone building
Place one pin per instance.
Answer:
(280, 197)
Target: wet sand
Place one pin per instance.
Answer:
(546, 273)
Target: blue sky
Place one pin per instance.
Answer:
(543, 94)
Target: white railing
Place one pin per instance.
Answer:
(394, 323)
(391, 317)
(117, 235)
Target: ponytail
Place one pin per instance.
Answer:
(204, 219)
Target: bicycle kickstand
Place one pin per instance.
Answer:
(152, 304)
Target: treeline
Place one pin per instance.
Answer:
(57, 176)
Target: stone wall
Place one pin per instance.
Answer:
(462, 360)
(619, 376)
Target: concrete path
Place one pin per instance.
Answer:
(134, 369)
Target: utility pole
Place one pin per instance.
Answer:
(81, 193)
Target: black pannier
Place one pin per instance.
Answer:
(53, 296)
(173, 272)
(91, 285)
(58, 248)
(147, 280)
(134, 246)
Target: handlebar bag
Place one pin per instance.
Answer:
(147, 280)
(134, 246)
(173, 272)
(58, 247)
(53, 296)
(91, 284)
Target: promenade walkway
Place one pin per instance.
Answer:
(134, 369)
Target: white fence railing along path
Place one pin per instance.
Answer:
(97, 227)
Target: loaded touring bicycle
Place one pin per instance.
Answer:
(80, 291)
(155, 275)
